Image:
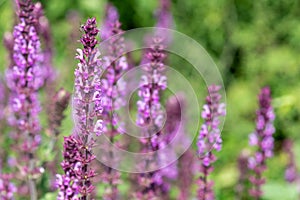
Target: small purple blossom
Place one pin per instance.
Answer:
(7, 188)
(263, 139)
(209, 139)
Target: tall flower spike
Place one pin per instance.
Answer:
(150, 114)
(24, 79)
(87, 105)
(263, 139)
(113, 87)
(209, 139)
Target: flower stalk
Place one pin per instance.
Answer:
(209, 139)
(113, 86)
(24, 79)
(263, 139)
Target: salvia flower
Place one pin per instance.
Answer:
(115, 64)
(164, 15)
(43, 28)
(113, 90)
(68, 183)
(263, 139)
(150, 114)
(209, 139)
(7, 188)
(24, 79)
(87, 105)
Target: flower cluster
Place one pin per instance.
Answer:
(150, 115)
(113, 88)
(115, 64)
(152, 83)
(209, 139)
(24, 79)
(87, 102)
(68, 183)
(263, 139)
(7, 188)
(43, 28)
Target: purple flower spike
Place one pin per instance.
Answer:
(115, 64)
(24, 79)
(209, 139)
(87, 113)
(43, 28)
(150, 117)
(164, 15)
(263, 139)
(110, 22)
(68, 183)
(7, 188)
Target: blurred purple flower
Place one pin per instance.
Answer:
(263, 139)
(164, 15)
(111, 20)
(209, 139)
(150, 116)
(113, 88)
(24, 79)
(7, 188)
(187, 170)
(43, 28)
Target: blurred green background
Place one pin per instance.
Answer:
(254, 43)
